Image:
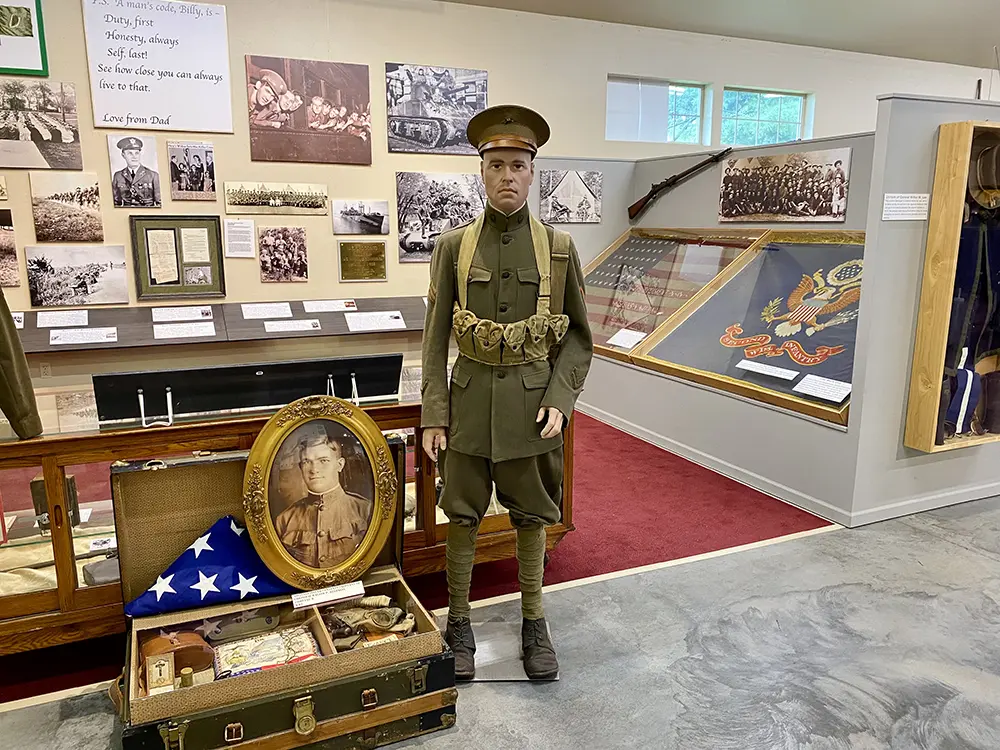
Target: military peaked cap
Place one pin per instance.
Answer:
(127, 143)
(508, 126)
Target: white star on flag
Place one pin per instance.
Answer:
(245, 586)
(208, 627)
(206, 584)
(236, 529)
(162, 586)
(201, 545)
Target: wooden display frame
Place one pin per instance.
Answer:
(640, 356)
(951, 181)
(145, 289)
(713, 233)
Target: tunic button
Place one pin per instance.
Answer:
(504, 308)
(505, 275)
(501, 374)
(506, 239)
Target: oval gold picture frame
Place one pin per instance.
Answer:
(257, 505)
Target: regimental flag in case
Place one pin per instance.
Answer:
(219, 567)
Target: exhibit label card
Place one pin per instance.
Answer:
(175, 314)
(239, 238)
(183, 330)
(360, 322)
(905, 206)
(342, 593)
(59, 318)
(625, 338)
(287, 326)
(830, 390)
(158, 65)
(18, 319)
(774, 372)
(83, 336)
(314, 306)
(262, 310)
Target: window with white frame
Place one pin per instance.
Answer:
(756, 118)
(642, 109)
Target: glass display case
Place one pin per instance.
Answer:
(778, 325)
(647, 275)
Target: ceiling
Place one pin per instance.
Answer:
(962, 32)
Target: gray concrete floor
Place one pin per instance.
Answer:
(886, 636)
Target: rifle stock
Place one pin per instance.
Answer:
(660, 187)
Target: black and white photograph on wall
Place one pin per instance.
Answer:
(3, 188)
(360, 217)
(38, 125)
(430, 107)
(66, 207)
(9, 272)
(283, 255)
(198, 275)
(308, 111)
(569, 196)
(429, 204)
(192, 170)
(810, 186)
(72, 275)
(135, 171)
(276, 198)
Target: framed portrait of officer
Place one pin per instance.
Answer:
(319, 492)
(135, 171)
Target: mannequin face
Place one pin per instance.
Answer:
(507, 175)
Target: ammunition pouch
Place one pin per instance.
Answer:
(502, 344)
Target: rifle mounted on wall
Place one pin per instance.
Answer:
(661, 187)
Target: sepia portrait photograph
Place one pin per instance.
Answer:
(807, 186)
(360, 217)
(38, 125)
(135, 171)
(69, 275)
(321, 493)
(308, 111)
(569, 196)
(429, 108)
(3, 188)
(66, 207)
(9, 273)
(276, 198)
(429, 204)
(283, 255)
(192, 170)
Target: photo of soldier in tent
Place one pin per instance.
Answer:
(570, 197)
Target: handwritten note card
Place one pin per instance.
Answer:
(158, 65)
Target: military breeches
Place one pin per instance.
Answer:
(529, 488)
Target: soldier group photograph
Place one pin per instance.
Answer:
(276, 198)
(429, 204)
(283, 255)
(66, 207)
(808, 186)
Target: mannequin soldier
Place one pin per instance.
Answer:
(510, 291)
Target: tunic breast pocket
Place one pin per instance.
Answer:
(527, 291)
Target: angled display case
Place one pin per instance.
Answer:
(777, 325)
(647, 275)
(954, 396)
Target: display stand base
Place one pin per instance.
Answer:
(498, 651)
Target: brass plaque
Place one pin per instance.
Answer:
(362, 261)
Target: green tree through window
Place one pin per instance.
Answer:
(757, 118)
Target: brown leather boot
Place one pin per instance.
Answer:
(538, 653)
(460, 639)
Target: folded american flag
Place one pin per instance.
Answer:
(219, 567)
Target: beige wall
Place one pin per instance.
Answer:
(558, 66)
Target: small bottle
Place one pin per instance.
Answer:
(187, 677)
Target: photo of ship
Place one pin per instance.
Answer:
(360, 217)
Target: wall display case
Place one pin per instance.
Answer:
(777, 325)
(954, 396)
(647, 275)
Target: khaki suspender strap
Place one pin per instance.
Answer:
(470, 240)
(560, 260)
(540, 242)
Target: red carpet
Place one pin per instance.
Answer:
(635, 504)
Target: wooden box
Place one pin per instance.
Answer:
(378, 694)
(41, 502)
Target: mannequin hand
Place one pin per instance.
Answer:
(554, 423)
(435, 438)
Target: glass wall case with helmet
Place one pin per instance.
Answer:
(954, 397)
(778, 325)
(647, 275)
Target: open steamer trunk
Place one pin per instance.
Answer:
(370, 696)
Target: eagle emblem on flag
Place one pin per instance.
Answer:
(816, 297)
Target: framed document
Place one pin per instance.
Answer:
(362, 261)
(177, 257)
(22, 52)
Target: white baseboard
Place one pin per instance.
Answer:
(922, 503)
(736, 473)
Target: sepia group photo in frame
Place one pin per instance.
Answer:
(319, 492)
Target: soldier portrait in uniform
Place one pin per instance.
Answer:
(135, 182)
(321, 492)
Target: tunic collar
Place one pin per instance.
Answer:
(503, 223)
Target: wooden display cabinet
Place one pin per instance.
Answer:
(71, 611)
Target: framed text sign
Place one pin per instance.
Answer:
(158, 65)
